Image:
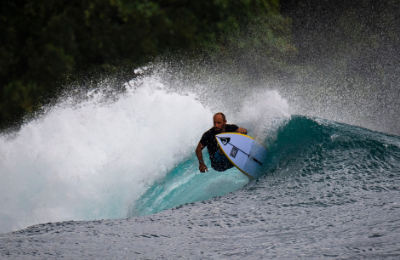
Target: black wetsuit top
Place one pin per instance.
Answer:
(208, 140)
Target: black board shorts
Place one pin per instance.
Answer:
(220, 163)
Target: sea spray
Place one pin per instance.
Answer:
(90, 160)
(96, 157)
(93, 157)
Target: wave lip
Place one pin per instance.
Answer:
(332, 163)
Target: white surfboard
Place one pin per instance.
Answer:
(243, 151)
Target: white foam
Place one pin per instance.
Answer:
(262, 112)
(89, 161)
(93, 159)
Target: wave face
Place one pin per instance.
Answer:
(335, 162)
(329, 190)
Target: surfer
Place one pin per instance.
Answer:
(219, 162)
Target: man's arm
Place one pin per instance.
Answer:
(202, 166)
(241, 130)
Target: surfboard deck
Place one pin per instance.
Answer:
(243, 151)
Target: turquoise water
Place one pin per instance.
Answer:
(330, 190)
(185, 184)
(338, 159)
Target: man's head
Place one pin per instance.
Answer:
(219, 122)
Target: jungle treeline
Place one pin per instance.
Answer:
(46, 45)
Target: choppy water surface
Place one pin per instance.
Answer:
(331, 190)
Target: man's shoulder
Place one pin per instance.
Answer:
(228, 128)
(207, 137)
(231, 127)
(209, 132)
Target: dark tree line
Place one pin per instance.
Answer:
(45, 44)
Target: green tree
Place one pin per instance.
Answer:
(44, 44)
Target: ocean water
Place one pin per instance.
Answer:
(119, 179)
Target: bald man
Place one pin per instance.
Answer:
(219, 162)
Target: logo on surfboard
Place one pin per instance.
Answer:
(225, 140)
(234, 152)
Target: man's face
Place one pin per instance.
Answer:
(219, 123)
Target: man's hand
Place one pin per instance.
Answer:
(241, 130)
(203, 167)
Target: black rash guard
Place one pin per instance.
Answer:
(208, 140)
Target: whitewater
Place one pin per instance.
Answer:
(118, 178)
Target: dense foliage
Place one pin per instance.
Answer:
(46, 43)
